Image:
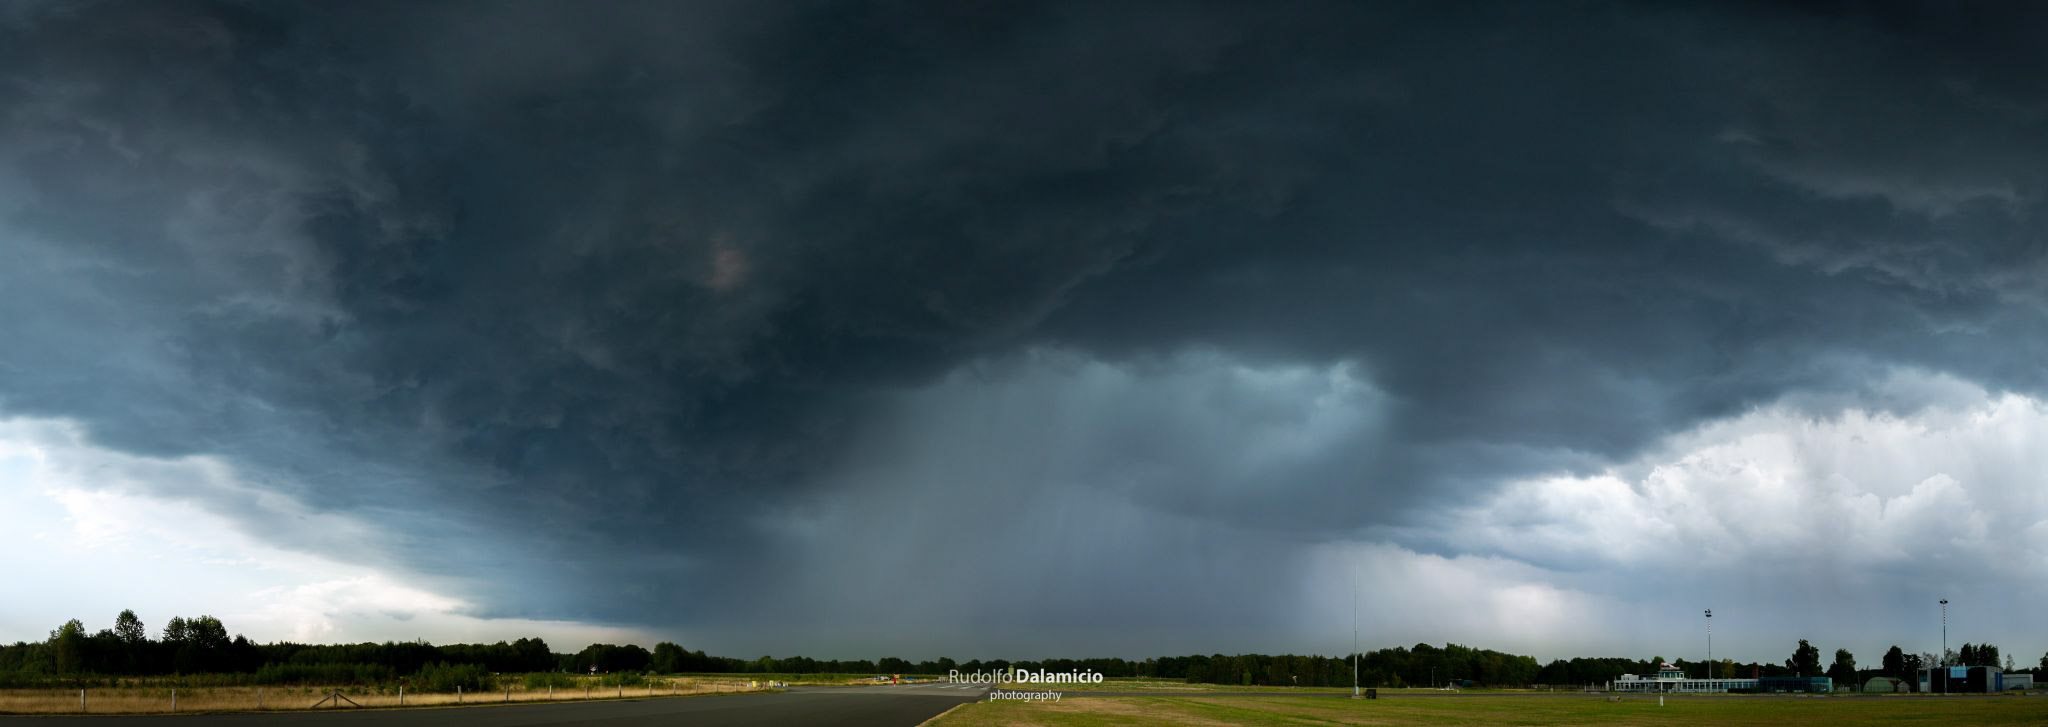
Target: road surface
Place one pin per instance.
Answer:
(892, 706)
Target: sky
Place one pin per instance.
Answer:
(1023, 330)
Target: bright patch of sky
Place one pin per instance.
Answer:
(89, 541)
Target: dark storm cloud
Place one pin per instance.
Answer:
(637, 281)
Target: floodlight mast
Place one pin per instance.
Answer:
(1354, 631)
(1944, 646)
(1710, 643)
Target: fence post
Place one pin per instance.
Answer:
(551, 692)
(174, 699)
(259, 697)
(81, 701)
(401, 695)
(508, 694)
(458, 694)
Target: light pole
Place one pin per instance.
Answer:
(1354, 631)
(1944, 646)
(1710, 643)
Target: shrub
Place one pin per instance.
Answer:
(444, 677)
(324, 674)
(543, 680)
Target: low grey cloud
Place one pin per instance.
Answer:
(675, 302)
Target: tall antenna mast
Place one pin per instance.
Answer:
(1354, 630)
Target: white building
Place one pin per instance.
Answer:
(1670, 678)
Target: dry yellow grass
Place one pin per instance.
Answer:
(156, 700)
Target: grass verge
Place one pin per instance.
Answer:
(159, 700)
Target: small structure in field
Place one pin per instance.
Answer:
(1886, 685)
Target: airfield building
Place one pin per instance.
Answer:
(1886, 685)
(1816, 685)
(1964, 679)
(1670, 678)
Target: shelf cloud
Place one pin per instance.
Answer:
(1069, 328)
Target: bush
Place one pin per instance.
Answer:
(623, 679)
(23, 680)
(543, 680)
(444, 677)
(324, 674)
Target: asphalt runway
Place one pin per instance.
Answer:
(893, 706)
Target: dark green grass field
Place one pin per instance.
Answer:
(1506, 710)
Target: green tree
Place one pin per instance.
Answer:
(668, 658)
(610, 658)
(68, 646)
(175, 631)
(534, 654)
(1805, 660)
(1843, 671)
(209, 633)
(1895, 663)
(129, 629)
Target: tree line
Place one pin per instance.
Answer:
(202, 645)
(1420, 665)
(1804, 661)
